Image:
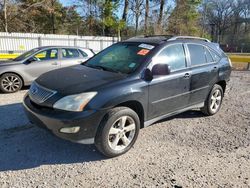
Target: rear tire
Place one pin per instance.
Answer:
(117, 132)
(10, 83)
(213, 101)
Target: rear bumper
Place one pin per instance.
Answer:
(55, 120)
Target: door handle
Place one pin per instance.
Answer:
(186, 75)
(54, 63)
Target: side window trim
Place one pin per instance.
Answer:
(150, 66)
(189, 57)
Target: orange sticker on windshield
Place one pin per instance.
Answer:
(143, 52)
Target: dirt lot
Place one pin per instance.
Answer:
(188, 150)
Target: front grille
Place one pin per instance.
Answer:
(39, 94)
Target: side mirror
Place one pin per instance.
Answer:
(31, 59)
(147, 75)
(161, 69)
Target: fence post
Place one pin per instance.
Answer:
(39, 41)
(75, 41)
(101, 44)
(87, 44)
(248, 66)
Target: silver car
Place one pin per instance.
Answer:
(24, 69)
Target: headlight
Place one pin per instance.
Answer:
(74, 102)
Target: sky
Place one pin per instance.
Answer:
(66, 2)
(71, 2)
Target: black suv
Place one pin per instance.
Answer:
(128, 86)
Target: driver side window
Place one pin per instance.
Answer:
(50, 54)
(172, 55)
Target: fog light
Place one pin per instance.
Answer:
(70, 130)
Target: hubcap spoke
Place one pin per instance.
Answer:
(125, 140)
(213, 97)
(115, 142)
(213, 103)
(123, 121)
(216, 93)
(129, 128)
(114, 131)
(218, 98)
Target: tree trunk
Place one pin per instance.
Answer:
(5, 16)
(125, 10)
(136, 23)
(137, 15)
(146, 17)
(159, 22)
(53, 17)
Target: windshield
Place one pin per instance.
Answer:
(122, 57)
(25, 55)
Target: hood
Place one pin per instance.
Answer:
(9, 62)
(77, 79)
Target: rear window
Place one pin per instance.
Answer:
(70, 53)
(209, 56)
(83, 53)
(216, 57)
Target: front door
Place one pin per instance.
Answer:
(170, 92)
(46, 61)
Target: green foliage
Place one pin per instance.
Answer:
(184, 20)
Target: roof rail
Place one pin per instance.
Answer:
(165, 36)
(188, 37)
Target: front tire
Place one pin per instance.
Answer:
(213, 101)
(10, 83)
(117, 132)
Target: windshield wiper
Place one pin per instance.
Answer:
(103, 68)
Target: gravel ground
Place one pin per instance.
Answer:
(187, 150)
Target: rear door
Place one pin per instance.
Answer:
(70, 57)
(204, 72)
(169, 93)
(47, 60)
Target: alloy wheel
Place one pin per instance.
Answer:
(216, 100)
(11, 83)
(121, 133)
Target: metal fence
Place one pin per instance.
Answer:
(21, 42)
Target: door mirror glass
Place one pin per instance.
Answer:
(161, 69)
(147, 75)
(32, 59)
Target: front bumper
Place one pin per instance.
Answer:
(55, 120)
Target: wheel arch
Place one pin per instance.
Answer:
(223, 84)
(137, 107)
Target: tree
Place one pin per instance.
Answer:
(137, 9)
(159, 22)
(125, 10)
(5, 15)
(146, 17)
(184, 20)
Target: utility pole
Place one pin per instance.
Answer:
(5, 16)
